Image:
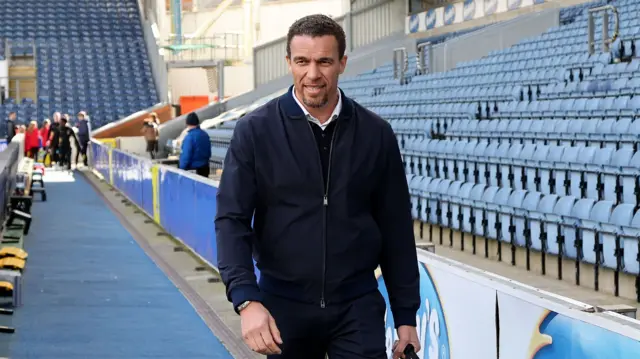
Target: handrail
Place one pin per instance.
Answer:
(420, 50)
(399, 72)
(606, 41)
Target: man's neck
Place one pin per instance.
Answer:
(323, 114)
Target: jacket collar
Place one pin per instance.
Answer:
(293, 111)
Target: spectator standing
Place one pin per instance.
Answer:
(150, 131)
(196, 148)
(54, 137)
(44, 133)
(65, 136)
(84, 136)
(11, 126)
(32, 140)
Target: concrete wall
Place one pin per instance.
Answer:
(274, 19)
(194, 82)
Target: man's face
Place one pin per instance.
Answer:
(80, 117)
(12, 116)
(315, 64)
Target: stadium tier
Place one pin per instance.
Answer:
(89, 55)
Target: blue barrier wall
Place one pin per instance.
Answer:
(100, 159)
(187, 210)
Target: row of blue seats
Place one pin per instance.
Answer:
(597, 88)
(440, 110)
(583, 172)
(465, 94)
(568, 108)
(545, 63)
(608, 132)
(597, 232)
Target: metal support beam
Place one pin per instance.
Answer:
(176, 23)
(220, 80)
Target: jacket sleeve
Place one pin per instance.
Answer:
(392, 211)
(186, 152)
(236, 202)
(72, 134)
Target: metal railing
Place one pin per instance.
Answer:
(226, 46)
(425, 52)
(400, 63)
(606, 41)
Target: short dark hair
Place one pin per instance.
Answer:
(12, 113)
(315, 26)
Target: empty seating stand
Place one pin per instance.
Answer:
(90, 55)
(530, 154)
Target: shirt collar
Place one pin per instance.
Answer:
(334, 115)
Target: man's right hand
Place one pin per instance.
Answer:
(259, 329)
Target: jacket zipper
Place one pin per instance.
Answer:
(325, 206)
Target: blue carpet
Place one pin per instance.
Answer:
(91, 292)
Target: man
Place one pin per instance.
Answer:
(52, 143)
(84, 136)
(325, 180)
(11, 126)
(150, 132)
(64, 137)
(196, 148)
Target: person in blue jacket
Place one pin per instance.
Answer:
(314, 190)
(196, 148)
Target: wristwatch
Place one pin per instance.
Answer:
(243, 305)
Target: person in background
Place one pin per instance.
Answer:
(196, 148)
(44, 133)
(65, 136)
(150, 132)
(11, 126)
(32, 141)
(53, 137)
(84, 136)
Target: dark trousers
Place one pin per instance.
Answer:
(64, 157)
(82, 151)
(33, 153)
(54, 154)
(351, 330)
(203, 171)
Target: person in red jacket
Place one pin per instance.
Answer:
(32, 140)
(44, 133)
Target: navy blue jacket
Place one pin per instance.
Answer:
(308, 248)
(84, 129)
(196, 149)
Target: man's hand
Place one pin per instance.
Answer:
(406, 335)
(259, 329)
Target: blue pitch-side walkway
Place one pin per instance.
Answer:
(91, 292)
